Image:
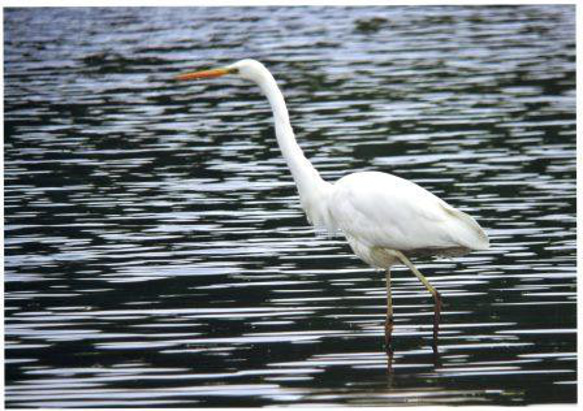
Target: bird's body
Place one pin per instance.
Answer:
(401, 216)
(385, 219)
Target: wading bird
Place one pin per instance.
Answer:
(386, 219)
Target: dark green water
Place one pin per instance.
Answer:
(155, 251)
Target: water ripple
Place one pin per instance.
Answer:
(155, 251)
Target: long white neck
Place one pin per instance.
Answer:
(314, 191)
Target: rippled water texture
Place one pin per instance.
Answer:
(156, 254)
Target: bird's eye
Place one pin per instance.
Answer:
(234, 70)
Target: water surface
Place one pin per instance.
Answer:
(156, 253)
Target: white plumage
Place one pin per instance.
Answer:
(381, 211)
(386, 219)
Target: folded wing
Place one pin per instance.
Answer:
(382, 210)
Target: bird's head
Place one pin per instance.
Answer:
(247, 69)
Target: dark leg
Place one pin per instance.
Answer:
(433, 291)
(389, 319)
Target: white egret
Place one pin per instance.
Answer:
(386, 219)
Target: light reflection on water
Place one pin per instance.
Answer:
(156, 254)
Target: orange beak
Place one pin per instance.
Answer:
(218, 72)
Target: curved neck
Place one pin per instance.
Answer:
(311, 187)
(301, 169)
